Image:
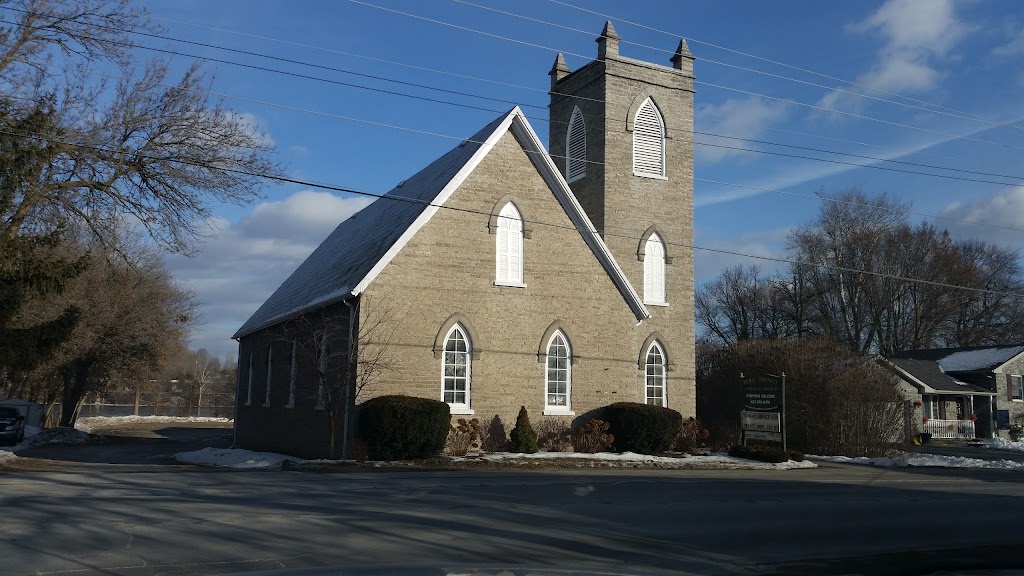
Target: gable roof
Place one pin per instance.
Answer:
(352, 256)
(926, 375)
(974, 359)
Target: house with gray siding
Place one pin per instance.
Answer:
(501, 275)
(964, 392)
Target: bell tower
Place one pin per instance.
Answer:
(621, 132)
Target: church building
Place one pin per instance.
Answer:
(501, 275)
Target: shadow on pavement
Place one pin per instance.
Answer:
(135, 445)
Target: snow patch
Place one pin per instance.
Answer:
(7, 457)
(234, 458)
(719, 460)
(1003, 444)
(63, 436)
(903, 459)
(985, 358)
(89, 423)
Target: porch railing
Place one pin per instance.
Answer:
(949, 428)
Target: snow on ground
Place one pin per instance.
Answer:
(903, 459)
(1003, 444)
(6, 457)
(62, 436)
(719, 460)
(89, 423)
(7, 453)
(234, 458)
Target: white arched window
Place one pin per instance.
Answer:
(558, 376)
(576, 147)
(655, 375)
(455, 373)
(654, 271)
(509, 260)
(648, 141)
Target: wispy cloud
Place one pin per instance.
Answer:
(740, 117)
(918, 38)
(768, 243)
(1004, 208)
(1014, 46)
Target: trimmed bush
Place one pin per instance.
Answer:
(523, 439)
(403, 427)
(592, 437)
(760, 453)
(642, 428)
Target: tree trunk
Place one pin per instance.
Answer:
(75, 381)
(138, 392)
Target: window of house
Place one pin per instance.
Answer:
(270, 374)
(655, 375)
(931, 406)
(248, 395)
(558, 376)
(576, 147)
(1016, 388)
(509, 261)
(323, 349)
(648, 141)
(455, 374)
(654, 271)
(292, 377)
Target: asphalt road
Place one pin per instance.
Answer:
(61, 517)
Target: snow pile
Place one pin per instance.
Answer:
(1003, 444)
(903, 459)
(719, 460)
(88, 424)
(7, 457)
(985, 358)
(234, 458)
(62, 436)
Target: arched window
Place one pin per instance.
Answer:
(509, 260)
(455, 375)
(654, 270)
(648, 141)
(248, 394)
(655, 375)
(558, 376)
(270, 375)
(576, 147)
(293, 376)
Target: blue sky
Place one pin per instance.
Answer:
(964, 55)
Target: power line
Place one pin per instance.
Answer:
(753, 70)
(783, 64)
(701, 82)
(358, 192)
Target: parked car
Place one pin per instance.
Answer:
(12, 425)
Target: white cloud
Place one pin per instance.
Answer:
(253, 125)
(245, 261)
(740, 117)
(1013, 47)
(918, 38)
(767, 243)
(1005, 208)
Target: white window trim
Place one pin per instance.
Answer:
(663, 175)
(1016, 382)
(658, 304)
(293, 376)
(248, 395)
(270, 375)
(648, 260)
(576, 114)
(502, 277)
(664, 372)
(551, 409)
(458, 407)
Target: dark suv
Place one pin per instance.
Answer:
(12, 425)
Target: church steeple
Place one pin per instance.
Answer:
(608, 42)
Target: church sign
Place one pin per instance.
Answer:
(764, 408)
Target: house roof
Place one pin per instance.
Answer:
(349, 259)
(929, 374)
(975, 359)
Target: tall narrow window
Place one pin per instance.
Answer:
(1016, 388)
(559, 374)
(270, 374)
(292, 377)
(455, 375)
(323, 349)
(655, 375)
(576, 147)
(248, 395)
(648, 141)
(654, 271)
(509, 261)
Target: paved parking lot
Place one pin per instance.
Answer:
(71, 514)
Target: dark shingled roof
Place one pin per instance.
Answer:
(955, 369)
(928, 371)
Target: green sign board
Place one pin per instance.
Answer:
(763, 393)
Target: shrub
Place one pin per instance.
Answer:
(494, 438)
(592, 437)
(403, 427)
(642, 428)
(770, 454)
(464, 438)
(554, 436)
(523, 439)
(692, 437)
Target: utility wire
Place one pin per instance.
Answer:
(753, 70)
(700, 82)
(581, 231)
(778, 63)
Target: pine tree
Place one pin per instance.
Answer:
(523, 438)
